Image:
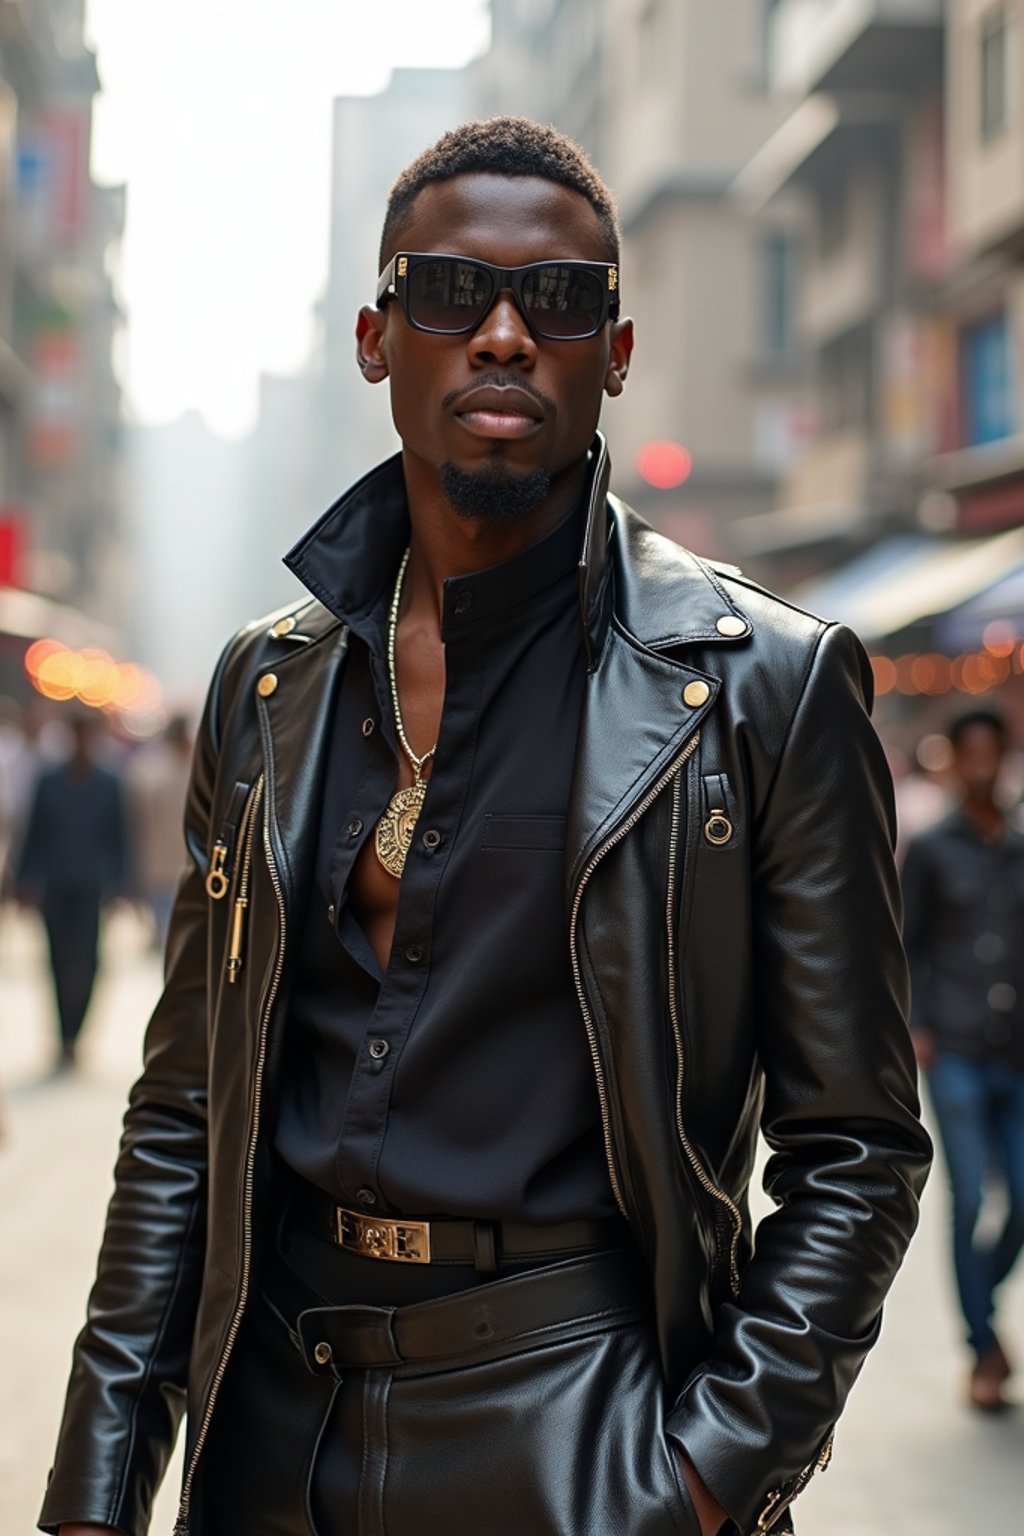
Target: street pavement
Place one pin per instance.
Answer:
(910, 1458)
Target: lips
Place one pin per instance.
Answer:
(505, 412)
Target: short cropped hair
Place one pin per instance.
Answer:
(503, 146)
(988, 719)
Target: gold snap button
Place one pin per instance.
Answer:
(284, 626)
(729, 624)
(696, 694)
(266, 685)
(323, 1354)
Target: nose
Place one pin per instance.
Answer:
(503, 336)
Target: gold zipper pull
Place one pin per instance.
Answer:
(216, 879)
(237, 930)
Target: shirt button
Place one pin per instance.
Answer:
(355, 826)
(366, 1197)
(414, 954)
(379, 1049)
(463, 603)
(332, 914)
(368, 727)
(431, 838)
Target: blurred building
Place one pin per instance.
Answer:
(373, 139)
(902, 151)
(61, 565)
(665, 97)
(860, 156)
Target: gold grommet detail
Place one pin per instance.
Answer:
(718, 829)
(323, 1354)
(284, 627)
(696, 694)
(731, 624)
(266, 685)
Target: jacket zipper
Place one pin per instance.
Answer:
(246, 835)
(217, 882)
(779, 1499)
(704, 1178)
(595, 1054)
(181, 1524)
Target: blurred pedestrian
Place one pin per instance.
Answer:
(74, 856)
(963, 882)
(156, 784)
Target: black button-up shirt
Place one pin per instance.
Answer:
(458, 1080)
(963, 898)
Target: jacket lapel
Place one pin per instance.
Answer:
(295, 726)
(641, 706)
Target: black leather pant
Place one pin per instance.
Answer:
(528, 1406)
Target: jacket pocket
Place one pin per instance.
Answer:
(218, 880)
(719, 810)
(513, 834)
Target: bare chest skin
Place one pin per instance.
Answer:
(419, 656)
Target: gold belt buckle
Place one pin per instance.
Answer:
(378, 1237)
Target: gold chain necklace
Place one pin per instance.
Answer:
(393, 837)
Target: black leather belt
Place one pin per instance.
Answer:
(444, 1241)
(606, 1289)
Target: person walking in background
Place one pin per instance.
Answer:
(156, 785)
(74, 855)
(963, 885)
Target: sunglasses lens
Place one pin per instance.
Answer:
(446, 295)
(564, 301)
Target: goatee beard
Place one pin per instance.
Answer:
(494, 494)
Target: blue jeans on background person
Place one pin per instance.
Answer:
(979, 1106)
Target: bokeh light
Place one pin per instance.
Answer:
(664, 464)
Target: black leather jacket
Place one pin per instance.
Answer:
(732, 914)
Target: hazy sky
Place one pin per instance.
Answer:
(217, 114)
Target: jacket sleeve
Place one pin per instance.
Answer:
(849, 1155)
(127, 1388)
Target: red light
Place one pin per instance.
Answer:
(664, 464)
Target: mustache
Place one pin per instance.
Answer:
(496, 380)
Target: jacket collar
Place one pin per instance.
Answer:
(663, 595)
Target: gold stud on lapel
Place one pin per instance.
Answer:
(696, 694)
(731, 624)
(283, 627)
(266, 685)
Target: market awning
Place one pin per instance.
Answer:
(906, 581)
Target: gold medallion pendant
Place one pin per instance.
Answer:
(393, 837)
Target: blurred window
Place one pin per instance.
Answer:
(989, 407)
(780, 275)
(847, 371)
(995, 72)
(833, 217)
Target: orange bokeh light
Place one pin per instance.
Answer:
(885, 674)
(664, 464)
(1000, 638)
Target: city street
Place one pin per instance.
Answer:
(909, 1458)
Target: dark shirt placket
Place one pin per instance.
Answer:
(457, 1080)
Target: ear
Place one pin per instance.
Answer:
(369, 351)
(618, 363)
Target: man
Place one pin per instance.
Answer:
(535, 855)
(73, 857)
(963, 884)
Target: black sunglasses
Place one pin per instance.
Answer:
(450, 295)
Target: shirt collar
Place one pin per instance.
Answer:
(349, 560)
